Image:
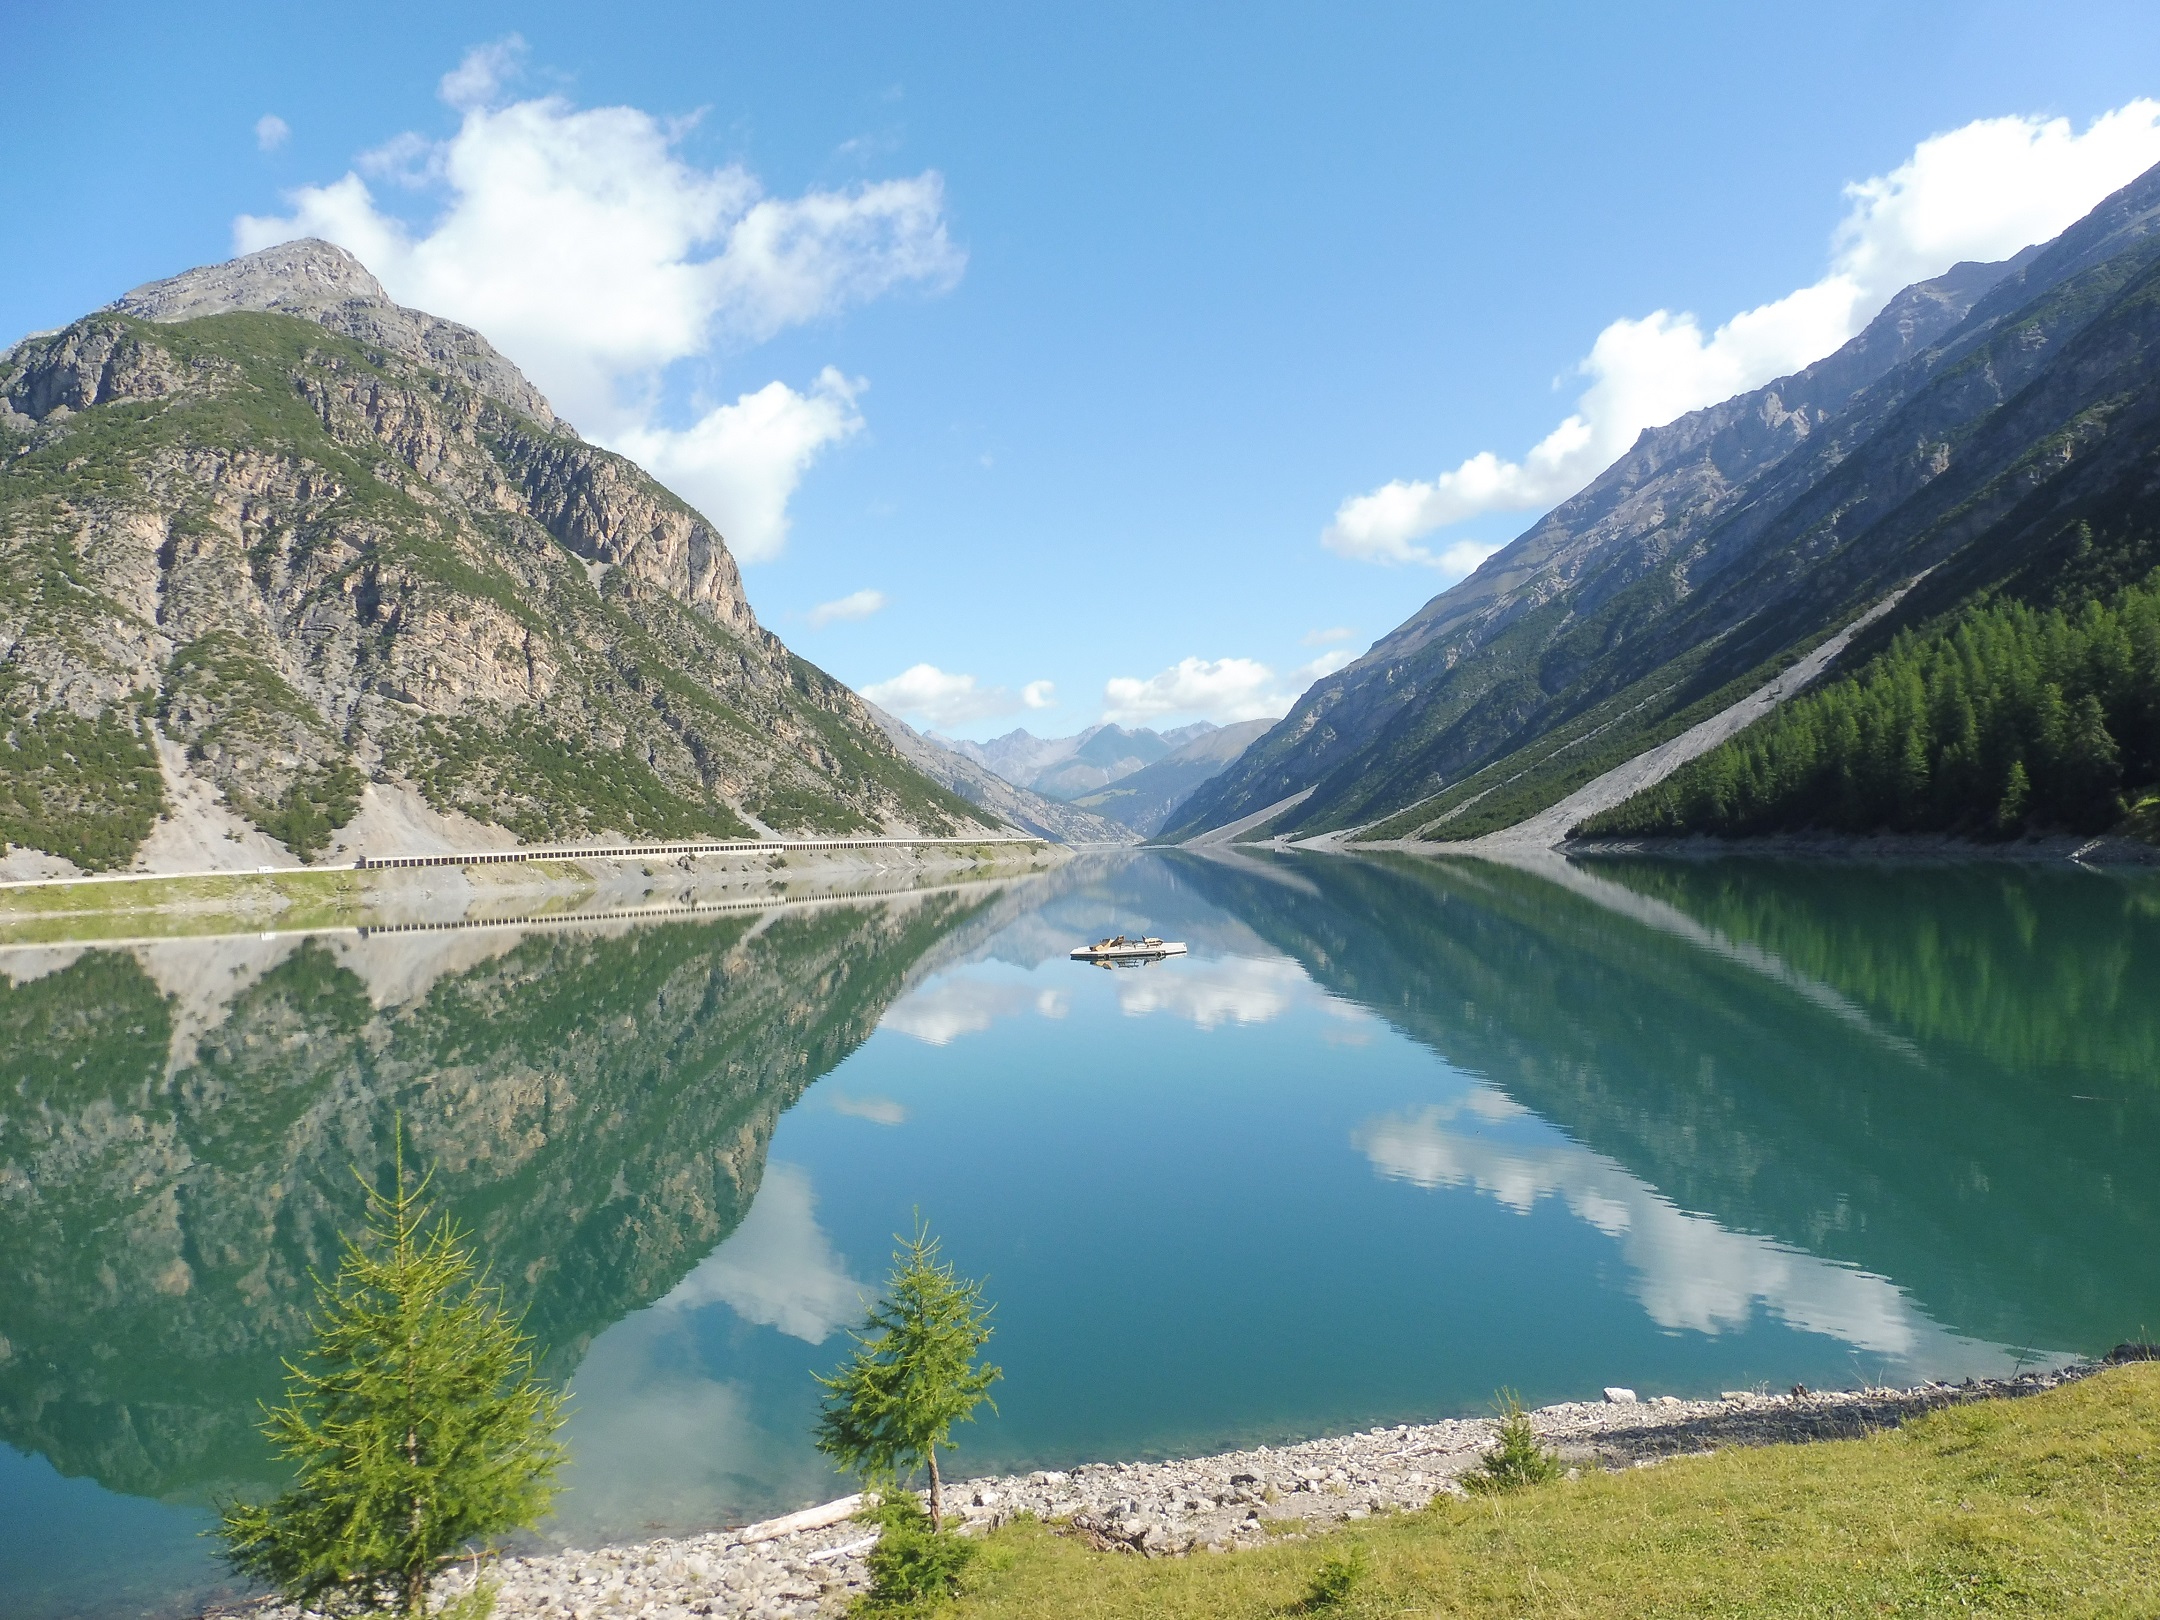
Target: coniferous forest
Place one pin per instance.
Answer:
(2007, 719)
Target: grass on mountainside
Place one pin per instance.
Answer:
(2043, 1506)
(1542, 773)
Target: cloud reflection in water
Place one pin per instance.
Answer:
(1211, 992)
(948, 1008)
(1690, 1273)
(778, 1268)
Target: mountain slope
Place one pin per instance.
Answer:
(1715, 552)
(1148, 797)
(260, 525)
(993, 794)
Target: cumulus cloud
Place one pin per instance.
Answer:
(1981, 192)
(594, 255)
(745, 459)
(271, 132)
(1039, 695)
(1225, 690)
(480, 77)
(855, 605)
(925, 692)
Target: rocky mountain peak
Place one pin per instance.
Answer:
(321, 282)
(304, 278)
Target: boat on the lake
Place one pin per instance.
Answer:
(1120, 949)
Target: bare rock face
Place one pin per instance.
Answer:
(318, 539)
(320, 282)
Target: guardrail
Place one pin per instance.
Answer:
(632, 852)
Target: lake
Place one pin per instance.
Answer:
(1396, 1135)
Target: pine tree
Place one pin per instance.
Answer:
(416, 1425)
(913, 1375)
(2004, 719)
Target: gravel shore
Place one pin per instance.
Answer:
(811, 1563)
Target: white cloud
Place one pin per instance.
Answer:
(1327, 638)
(1326, 664)
(594, 255)
(1222, 689)
(1981, 192)
(1039, 695)
(479, 78)
(778, 1268)
(271, 132)
(1225, 690)
(855, 605)
(745, 459)
(944, 700)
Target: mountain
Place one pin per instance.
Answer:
(1149, 796)
(1962, 437)
(1068, 767)
(994, 795)
(268, 538)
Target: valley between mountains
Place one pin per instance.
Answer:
(293, 572)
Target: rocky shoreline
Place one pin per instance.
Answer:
(812, 1563)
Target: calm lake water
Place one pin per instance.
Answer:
(1394, 1135)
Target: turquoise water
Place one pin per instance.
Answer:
(1394, 1135)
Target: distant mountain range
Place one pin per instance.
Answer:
(1067, 767)
(1144, 799)
(284, 566)
(1134, 777)
(940, 760)
(1994, 434)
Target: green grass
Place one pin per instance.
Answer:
(52, 912)
(2043, 1506)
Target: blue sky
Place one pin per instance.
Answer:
(1110, 357)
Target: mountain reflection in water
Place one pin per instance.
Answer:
(1945, 1075)
(1684, 1125)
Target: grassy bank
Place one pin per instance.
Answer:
(2045, 1506)
(180, 905)
(342, 897)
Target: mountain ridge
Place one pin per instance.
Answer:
(266, 531)
(1716, 551)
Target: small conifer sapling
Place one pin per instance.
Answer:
(415, 1426)
(1517, 1459)
(913, 1375)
